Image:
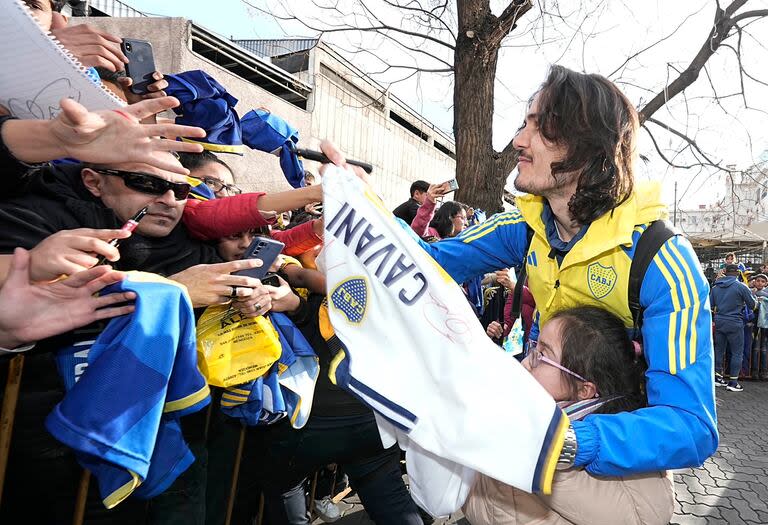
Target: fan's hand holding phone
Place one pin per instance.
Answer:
(264, 249)
(141, 64)
(453, 185)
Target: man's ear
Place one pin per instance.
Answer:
(587, 390)
(93, 181)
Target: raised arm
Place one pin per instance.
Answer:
(499, 242)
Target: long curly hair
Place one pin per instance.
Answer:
(598, 125)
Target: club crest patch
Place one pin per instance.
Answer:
(350, 297)
(601, 279)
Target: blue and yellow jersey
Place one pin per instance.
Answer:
(679, 428)
(121, 416)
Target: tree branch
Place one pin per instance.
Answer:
(507, 21)
(724, 21)
(691, 142)
(343, 28)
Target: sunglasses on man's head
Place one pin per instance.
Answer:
(150, 184)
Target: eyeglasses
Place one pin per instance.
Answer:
(150, 184)
(218, 185)
(535, 357)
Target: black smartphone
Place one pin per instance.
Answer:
(264, 249)
(271, 280)
(141, 64)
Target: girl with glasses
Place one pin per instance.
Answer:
(585, 359)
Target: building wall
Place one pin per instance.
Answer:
(337, 112)
(745, 204)
(358, 121)
(170, 39)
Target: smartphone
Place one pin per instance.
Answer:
(141, 64)
(271, 280)
(453, 184)
(264, 249)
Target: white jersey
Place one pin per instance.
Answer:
(418, 356)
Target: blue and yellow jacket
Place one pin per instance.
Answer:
(679, 428)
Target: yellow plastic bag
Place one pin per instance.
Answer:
(233, 349)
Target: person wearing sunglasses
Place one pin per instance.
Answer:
(587, 362)
(66, 218)
(79, 208)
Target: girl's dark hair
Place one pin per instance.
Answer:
(597, 124)
(443, 219)
(193, 161)
(596, 345)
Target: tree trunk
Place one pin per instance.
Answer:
(480, 184)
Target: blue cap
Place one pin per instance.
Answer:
(207, 104)
(267, 132)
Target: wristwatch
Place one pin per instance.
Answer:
(568, 453)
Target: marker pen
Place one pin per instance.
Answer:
(131, 225)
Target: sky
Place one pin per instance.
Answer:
(593, 36)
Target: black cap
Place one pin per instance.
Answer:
(731, 268)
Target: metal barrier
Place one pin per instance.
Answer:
(8, 414)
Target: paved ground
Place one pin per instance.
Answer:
(731, 488)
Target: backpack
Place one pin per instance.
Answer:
(648, 245)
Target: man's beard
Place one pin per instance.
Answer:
(555, 185)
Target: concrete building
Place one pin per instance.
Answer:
(739, 214)
(737, 223)
(309, 84)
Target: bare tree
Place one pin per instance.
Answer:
(464, 37)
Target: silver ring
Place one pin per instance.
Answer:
(234, 292)
(256, 307)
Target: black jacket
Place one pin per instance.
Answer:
(56, 199)
(330, 400)
(407, 210)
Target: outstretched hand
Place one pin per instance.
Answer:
(31, 312)
(105, 137)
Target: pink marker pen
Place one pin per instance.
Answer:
(131, 225)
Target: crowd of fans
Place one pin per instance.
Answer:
(635, 381)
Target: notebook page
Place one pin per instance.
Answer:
(37, 72)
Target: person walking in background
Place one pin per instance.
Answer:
(728, 297)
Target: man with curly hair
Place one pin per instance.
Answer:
(576, 232)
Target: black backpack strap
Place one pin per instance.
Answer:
(648, 245)
(501, 303)
(517, 297)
